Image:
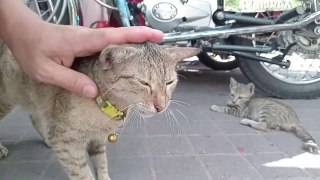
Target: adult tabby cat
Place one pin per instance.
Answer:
(264, 113)
(138, 76)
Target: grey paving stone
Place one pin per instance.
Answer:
(130, 168)
(127, 147)
(287, 142)
(227, 167)
(55, 172)
(179, 168)
(252, 143)
(21, 171)
(159, 126)
(166, 145)
(212, 144)
(257, 160)
(204, 127)
(12, 134)
(28, 151)
(230, 125)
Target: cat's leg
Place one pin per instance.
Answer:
(41, 127)
(226, 110)
(3, 151)
(254, 124)
(73, 159)
(4, 110)
(97, 151)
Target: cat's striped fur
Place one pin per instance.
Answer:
(264, 113)
(142, 75)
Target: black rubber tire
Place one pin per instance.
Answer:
(256, 73)
(216, 65)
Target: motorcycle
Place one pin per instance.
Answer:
(274, 42)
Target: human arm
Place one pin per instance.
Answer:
(46, 51)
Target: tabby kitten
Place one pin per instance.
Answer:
(264, 113)
(138, 77)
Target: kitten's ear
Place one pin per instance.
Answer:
(116, 54)
(250, 88)
(181, 53)
(233, 83)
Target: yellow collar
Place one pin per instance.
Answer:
(109, 109)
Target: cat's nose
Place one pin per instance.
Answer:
(159, 108)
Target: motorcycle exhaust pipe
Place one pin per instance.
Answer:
(224, 33)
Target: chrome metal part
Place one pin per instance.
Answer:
(192, 35)
(175, 15)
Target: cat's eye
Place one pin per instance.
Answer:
(231, 95)
(170, 82)
(144, 83)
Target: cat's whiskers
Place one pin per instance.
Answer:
(181, 76)
(185, 117)
(176, 121)
(126, 120)
(178, 102)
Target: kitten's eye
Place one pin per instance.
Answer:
(170, 82)
(232, 95)
(144, 83)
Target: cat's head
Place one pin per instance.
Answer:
(240, 93)
(141, 75)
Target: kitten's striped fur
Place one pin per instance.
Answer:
(264, 113)
(74, 126)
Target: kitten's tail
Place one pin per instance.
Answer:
(309, 142)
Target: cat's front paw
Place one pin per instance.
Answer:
(215, 108)
(246, 122)
(3, 152)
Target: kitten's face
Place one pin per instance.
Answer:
(143, 76)
(240, 93)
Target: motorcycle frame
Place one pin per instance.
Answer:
(225, 31)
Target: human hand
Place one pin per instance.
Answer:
(47, 53)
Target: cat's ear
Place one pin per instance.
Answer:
(233, 83)
(181, 53)
(116, 54)
(250, 88)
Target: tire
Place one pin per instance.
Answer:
(216, 65)
(268, 83)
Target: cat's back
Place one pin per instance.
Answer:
(271, 109)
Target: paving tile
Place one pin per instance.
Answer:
(21, 171)
(212, 144)
(130, 168)
(233, 126)
(160, 127)
(28, 151)
(12, 134)
(286, 142)
(179, 168)
(252, 143)
(226, 167)
(257, 160)
(175, 145)
(127, 147)
(202, 128)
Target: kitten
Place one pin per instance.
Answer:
(133, 76)
(264, 113)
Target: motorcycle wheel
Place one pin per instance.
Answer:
(218, 62)
(291, 83)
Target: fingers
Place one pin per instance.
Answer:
(94, 40)
(71, 80)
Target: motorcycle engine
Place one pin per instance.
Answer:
(179, 15)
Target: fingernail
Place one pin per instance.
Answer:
(89, 91)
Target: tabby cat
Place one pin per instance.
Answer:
(264, 113)
(132, 76)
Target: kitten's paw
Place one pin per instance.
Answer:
(215, 108)
(3, 152)
(246, 122)
(311, 147)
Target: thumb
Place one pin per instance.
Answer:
(71, 80)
